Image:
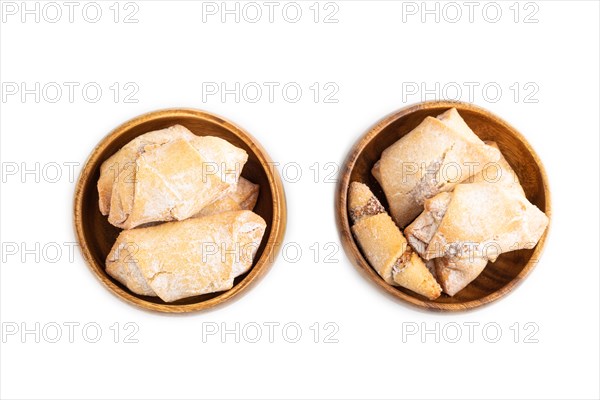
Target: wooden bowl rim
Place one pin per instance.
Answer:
(274, 241)
(355, 255)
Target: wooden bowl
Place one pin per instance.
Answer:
(96, 236)
(498, 278)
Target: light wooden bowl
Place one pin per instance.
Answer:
(498, 278)
(96, 236)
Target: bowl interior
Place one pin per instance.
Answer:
(509, 266)
(99, 235)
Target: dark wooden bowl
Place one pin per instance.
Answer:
(498, 278)
(96, 236)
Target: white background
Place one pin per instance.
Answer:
(376, 54)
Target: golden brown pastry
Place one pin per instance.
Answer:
(420, 232)
(432, 158)
(124, 159)
(180, 259)
(245, 194)
(472, 225)
(422, 229)
(498, 173)
(244, 197)
(384, 245)
(456, 271)
(221, 205)
(167, 175)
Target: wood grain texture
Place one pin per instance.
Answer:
(96, 236)
(498, 278)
